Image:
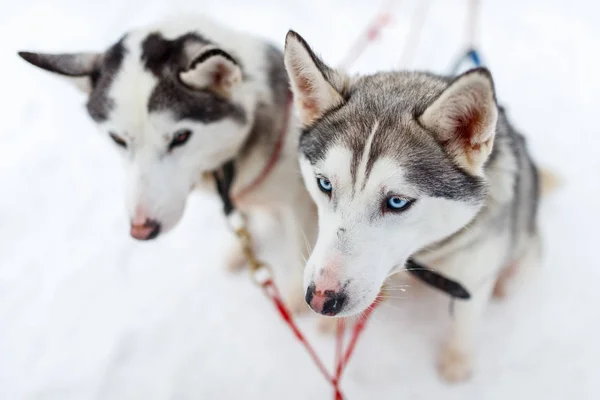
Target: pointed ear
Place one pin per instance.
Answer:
(81, 68)
(464, 117)
(316, 87)
(212, 68)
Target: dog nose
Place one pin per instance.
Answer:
(327, 302)
(146, 231)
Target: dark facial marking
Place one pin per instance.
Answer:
(162, 56)
(165, 59)
(198, 105)
(99, 104)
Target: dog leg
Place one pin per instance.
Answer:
(476, 269)
(235, 260)
(512, 275)
(327, 325)
(456, 360)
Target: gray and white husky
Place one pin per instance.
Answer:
(405, 164)
(179, 99)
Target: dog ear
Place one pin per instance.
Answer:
(464, 117)
(80, 68)
(212, 68)
(316, 87)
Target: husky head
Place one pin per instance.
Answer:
(173, 105)
(394, 162)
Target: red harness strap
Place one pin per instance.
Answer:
(341, 357)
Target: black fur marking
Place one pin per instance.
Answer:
(162, 56)
(211, 53)
(99, 104)
(165, 59)
(224, 178)
(316, 138)
(198, 105)
(63, 64)
(440, 177)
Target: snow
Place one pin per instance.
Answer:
(88, 313)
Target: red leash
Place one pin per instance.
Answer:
(370, 33)
(270, 289)
(341, 357)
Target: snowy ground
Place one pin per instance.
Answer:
(88, 313)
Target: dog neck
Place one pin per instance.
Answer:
(263, 148)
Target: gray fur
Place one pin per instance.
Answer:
(99, 103)
(64, 64)
(396, 100)
(165, 59)
(266, 129)
(200, 105)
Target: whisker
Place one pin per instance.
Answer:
(386, 304)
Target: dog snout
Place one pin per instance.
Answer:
(145, 231)
(325, 301)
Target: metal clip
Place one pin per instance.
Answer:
(260, 272)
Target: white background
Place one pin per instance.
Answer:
(88, 313)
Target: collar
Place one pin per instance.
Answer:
(435, 279)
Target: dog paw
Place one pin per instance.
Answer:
(294, 296)
(235, 260)
(327, 325)
(295, 302)
(500, 289)
(503, 282)
(455, 365)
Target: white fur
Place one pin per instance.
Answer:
(159, 181)
(397, 236)
(359, 245)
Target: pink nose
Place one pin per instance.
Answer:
(146, 231)
(328, 302)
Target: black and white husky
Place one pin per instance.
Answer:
(181, 98)
(405, 164)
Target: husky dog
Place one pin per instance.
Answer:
(178, 100)
(410, 164)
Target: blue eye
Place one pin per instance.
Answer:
(397, 203)
(324, 185)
